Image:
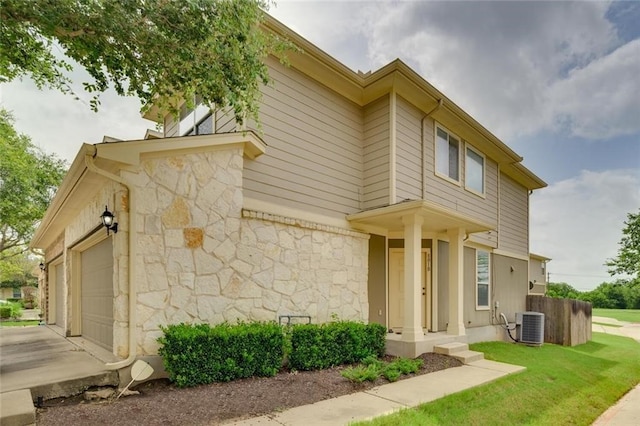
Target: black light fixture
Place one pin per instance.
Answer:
(109, 221)
(42, 266)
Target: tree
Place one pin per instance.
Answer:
(28, 180)
(561, 291)
(158, 50)
(628, 259)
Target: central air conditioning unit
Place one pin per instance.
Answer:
(531, 327)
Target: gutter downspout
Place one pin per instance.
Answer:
(89, 161)
(422, 143)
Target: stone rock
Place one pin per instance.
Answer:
(177, 214)
(99, 394)
(193, 237)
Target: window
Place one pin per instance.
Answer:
(474, 171)
(482, 279)
(447, 155)
(17, 294)
(197, 121)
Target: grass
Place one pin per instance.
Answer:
(562, 385)
(19, 323)
(629, 315)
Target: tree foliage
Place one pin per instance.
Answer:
(157, 50)
(620, 294)
(628, 259)
(28, 180)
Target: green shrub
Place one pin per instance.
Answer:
(361, 373)
(315, 347)
(199, 354)
(372, 368)
(5, 311)
(10, 310)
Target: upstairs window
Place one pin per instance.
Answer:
(482, 279)
(474, 171)
(447, 155)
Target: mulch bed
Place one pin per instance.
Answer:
(160, 402)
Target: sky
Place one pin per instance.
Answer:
(559, 82)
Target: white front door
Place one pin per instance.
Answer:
(396, 288)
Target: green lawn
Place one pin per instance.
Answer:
(18, 323)
(562, 385)
(629, 315)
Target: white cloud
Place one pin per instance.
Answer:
(518, 67)
(578, 223)
(59, 124)
(601, 100)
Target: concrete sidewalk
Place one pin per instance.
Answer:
(388, 398)
(626, 412)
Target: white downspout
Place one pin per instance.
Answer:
(132, 260)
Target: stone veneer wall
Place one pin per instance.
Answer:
(200, 260)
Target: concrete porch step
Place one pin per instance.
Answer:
(451, 348)
(467, 357)
(459, 351)
(17, 408)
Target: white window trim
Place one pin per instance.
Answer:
(435, 155)
(488, 306)
(484, 171)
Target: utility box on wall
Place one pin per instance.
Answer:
(530, 327)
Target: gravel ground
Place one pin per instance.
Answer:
(159, 402)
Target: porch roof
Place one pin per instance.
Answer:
(437, 218)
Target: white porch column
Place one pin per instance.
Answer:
(412, 324)
(456, 282)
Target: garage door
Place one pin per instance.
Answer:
(59, 289)
(97, 294)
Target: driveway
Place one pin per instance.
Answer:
(39, 359)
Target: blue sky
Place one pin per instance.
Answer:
(557, 81)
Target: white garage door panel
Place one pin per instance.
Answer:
(97, 294)
(59, 284)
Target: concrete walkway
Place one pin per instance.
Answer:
(36, 361)
(626, 412)
(388, 398)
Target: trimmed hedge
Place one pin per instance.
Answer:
(200, 354)
(315, 347)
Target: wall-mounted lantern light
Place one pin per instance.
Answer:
(42, 266)
(109, 221)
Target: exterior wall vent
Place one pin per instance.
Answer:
(531, 326)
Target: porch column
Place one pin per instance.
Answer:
(412, 324)
(456, 282)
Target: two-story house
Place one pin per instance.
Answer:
(370, 197)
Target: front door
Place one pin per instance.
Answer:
(396, 288)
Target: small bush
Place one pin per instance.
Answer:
(315, 347)
(372, 368)
(10, 310)
(199, 354)
(361, 373)
(5, 311)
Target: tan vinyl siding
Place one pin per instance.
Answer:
(513, 235)
(225, 121)
(456, 197)
(376, 153)
(171, 126)
(314, 156)
(408, 152)
(509, 286)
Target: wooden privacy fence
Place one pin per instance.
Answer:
(567, 322)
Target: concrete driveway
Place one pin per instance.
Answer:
(39, 359)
